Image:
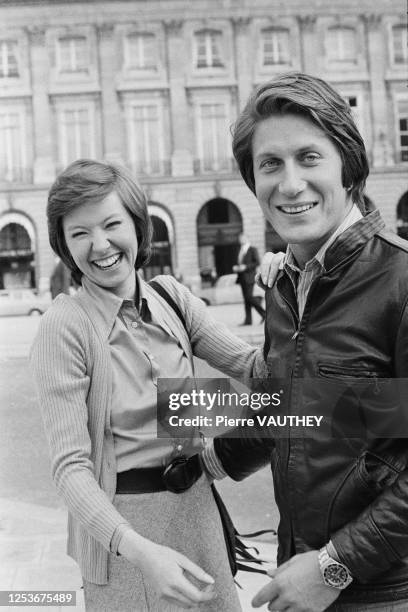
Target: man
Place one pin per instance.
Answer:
(248, 261)
(338, 312)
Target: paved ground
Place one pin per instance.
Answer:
(32, 518)
(17, 333)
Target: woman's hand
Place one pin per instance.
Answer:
(167, 571)
(269, 269)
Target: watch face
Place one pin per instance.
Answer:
(335, 575)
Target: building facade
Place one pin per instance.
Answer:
(155, 85)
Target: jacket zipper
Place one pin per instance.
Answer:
(298, 324)
(295, 317)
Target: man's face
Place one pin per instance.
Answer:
(298, 183)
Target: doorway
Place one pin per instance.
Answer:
(219, 224)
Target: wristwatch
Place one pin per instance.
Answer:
(334, 574)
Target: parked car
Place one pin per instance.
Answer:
(226, 291)
(23, 302)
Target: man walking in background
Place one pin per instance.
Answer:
(248, 261)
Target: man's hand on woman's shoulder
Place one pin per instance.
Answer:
(270, 266)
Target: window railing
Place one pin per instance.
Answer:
(209, 63)
(9, 73)
(158, 167)
(16, 175)
(205, 165)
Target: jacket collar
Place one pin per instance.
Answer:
(354, 238)
(289, 260)
(347, 243)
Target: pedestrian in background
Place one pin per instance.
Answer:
(248, 261)
(96, 361)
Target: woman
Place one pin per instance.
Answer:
(96, 360)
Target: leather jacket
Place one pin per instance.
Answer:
(352, 490)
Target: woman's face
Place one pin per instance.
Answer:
(101, 238)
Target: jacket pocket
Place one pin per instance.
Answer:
(353, 495)
(334, 371)
(379, 472)
(364, 481)
(365, 403)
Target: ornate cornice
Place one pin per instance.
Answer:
(307, 22)
(36, 34)
(373, 20)
(240, 24)
(106, 28)
(173, 26)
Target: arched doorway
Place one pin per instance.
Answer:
(17, 252)
(273, 242)
(402, 216)
(161, 259)
(219, 224)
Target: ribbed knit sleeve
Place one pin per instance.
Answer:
(60, 362)
(212, 340)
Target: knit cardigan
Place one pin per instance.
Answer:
(70, 360)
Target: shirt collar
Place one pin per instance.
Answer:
(352, 217)
(141, 305)
(108, 304)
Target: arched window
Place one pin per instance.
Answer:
(16, 257)
(14, 237)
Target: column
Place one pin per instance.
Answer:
(113, 141)
(382, 151)
(242, 59)
(181, 157)
(308, 43)
(44, 164)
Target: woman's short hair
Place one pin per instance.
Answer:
(299, 93)
(89, 181)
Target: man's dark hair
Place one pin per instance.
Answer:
(316, 100)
